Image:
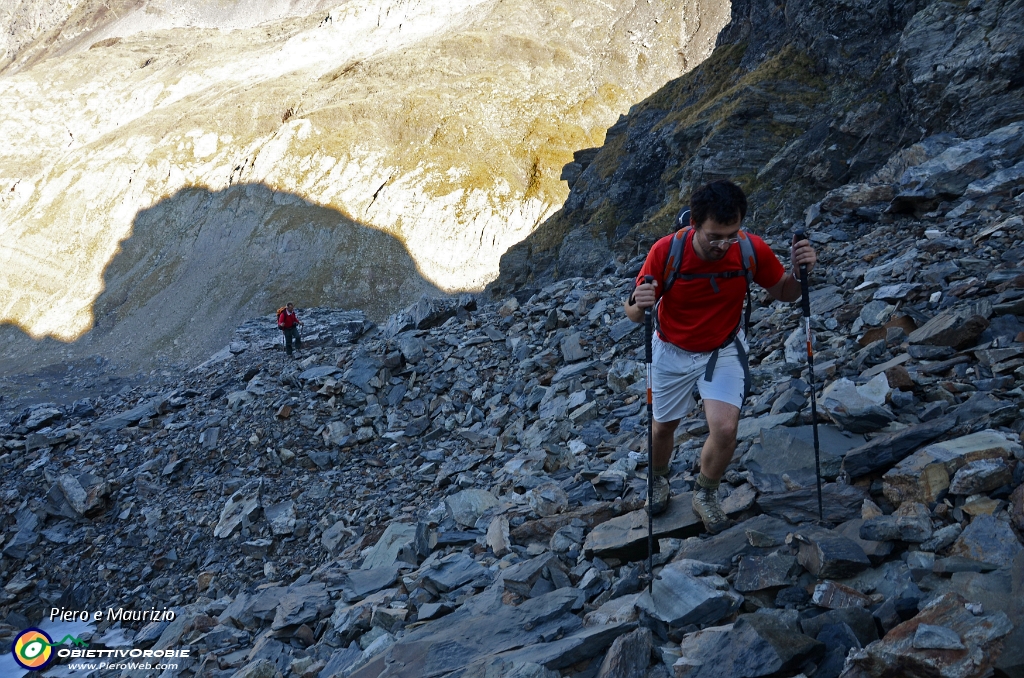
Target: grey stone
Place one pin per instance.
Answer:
(628, 655)
(989, 540)
(319, 372)
(980, 636)
(827, 554)
(454, 571)
(624, 374)
(548, 499)
(980, 476)
(302, 604)
(521, 577)
(839, 503)
(84, 493)
(571, 349)
(240, 508)
(783, 449)
(680, 598)
(467, 506)
(622, 329)
(875, 313)
(362, 583)
(762, 572)
(570, 371)
(958, 328)
(281, 517)
(851, 410)
(625, 536)
(397, 543)
(885, 450)
(753, 646)
(857, 619)
(751, 427)
(911, 523)
(722, 548)
(481, 628)
(925, 474)
(150, 408)
(928, 637)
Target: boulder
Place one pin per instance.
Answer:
(925, 474)
(679, 598)
(957, 327)
(981, 636)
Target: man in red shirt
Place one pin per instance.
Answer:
(699, 321)
(288, 322)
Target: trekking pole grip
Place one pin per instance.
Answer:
(805, 297)
(648, 326)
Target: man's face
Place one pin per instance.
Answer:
(290, 307)
(717, 238)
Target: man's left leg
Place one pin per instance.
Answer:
(723, 419)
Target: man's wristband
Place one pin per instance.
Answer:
(632, 300)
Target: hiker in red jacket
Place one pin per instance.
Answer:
(700, 336)
(289, 323)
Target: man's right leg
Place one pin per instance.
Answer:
(662, 444)
(288, 340)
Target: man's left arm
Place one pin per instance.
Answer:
(788, 287)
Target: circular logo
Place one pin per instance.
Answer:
(32, 649)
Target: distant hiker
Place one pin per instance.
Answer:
(289, 323)
(697, 294)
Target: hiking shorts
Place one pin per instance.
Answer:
(674, 373)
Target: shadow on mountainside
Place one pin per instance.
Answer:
(200, 262)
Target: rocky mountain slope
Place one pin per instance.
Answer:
(457, 491)
(173, 168)
(799, 98)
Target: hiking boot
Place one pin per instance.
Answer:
(660, 495)
(705, 505)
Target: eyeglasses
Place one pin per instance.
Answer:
(720, 244)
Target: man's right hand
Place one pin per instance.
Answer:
(645, 297)
(645, 294)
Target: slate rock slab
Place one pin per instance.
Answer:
(839, 503)
(761, 572)
(302, 604)
(454, 571)
(784, 449)
(467, 506)
(753, 646)
(926, 473)
(828, 554)
(481, 628)
(847, 405)
(981, 636)
(240, 507)
(887, 449)
(626, 536)
(957, 327)
(679, 598)
(721, 548)
(988, 540)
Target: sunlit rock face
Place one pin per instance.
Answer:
(205, 159)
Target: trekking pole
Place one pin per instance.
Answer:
(648, 339)
(805, 301)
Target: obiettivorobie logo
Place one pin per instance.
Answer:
(33, 648)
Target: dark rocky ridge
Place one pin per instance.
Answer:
(799, 98)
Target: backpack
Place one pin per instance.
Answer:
(674, 271)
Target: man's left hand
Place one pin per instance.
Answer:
(801, 253)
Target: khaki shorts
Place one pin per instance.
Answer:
(674, 372)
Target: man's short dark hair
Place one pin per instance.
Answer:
(720, 200)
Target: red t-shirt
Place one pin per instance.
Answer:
(693, 316)
(287, 319)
